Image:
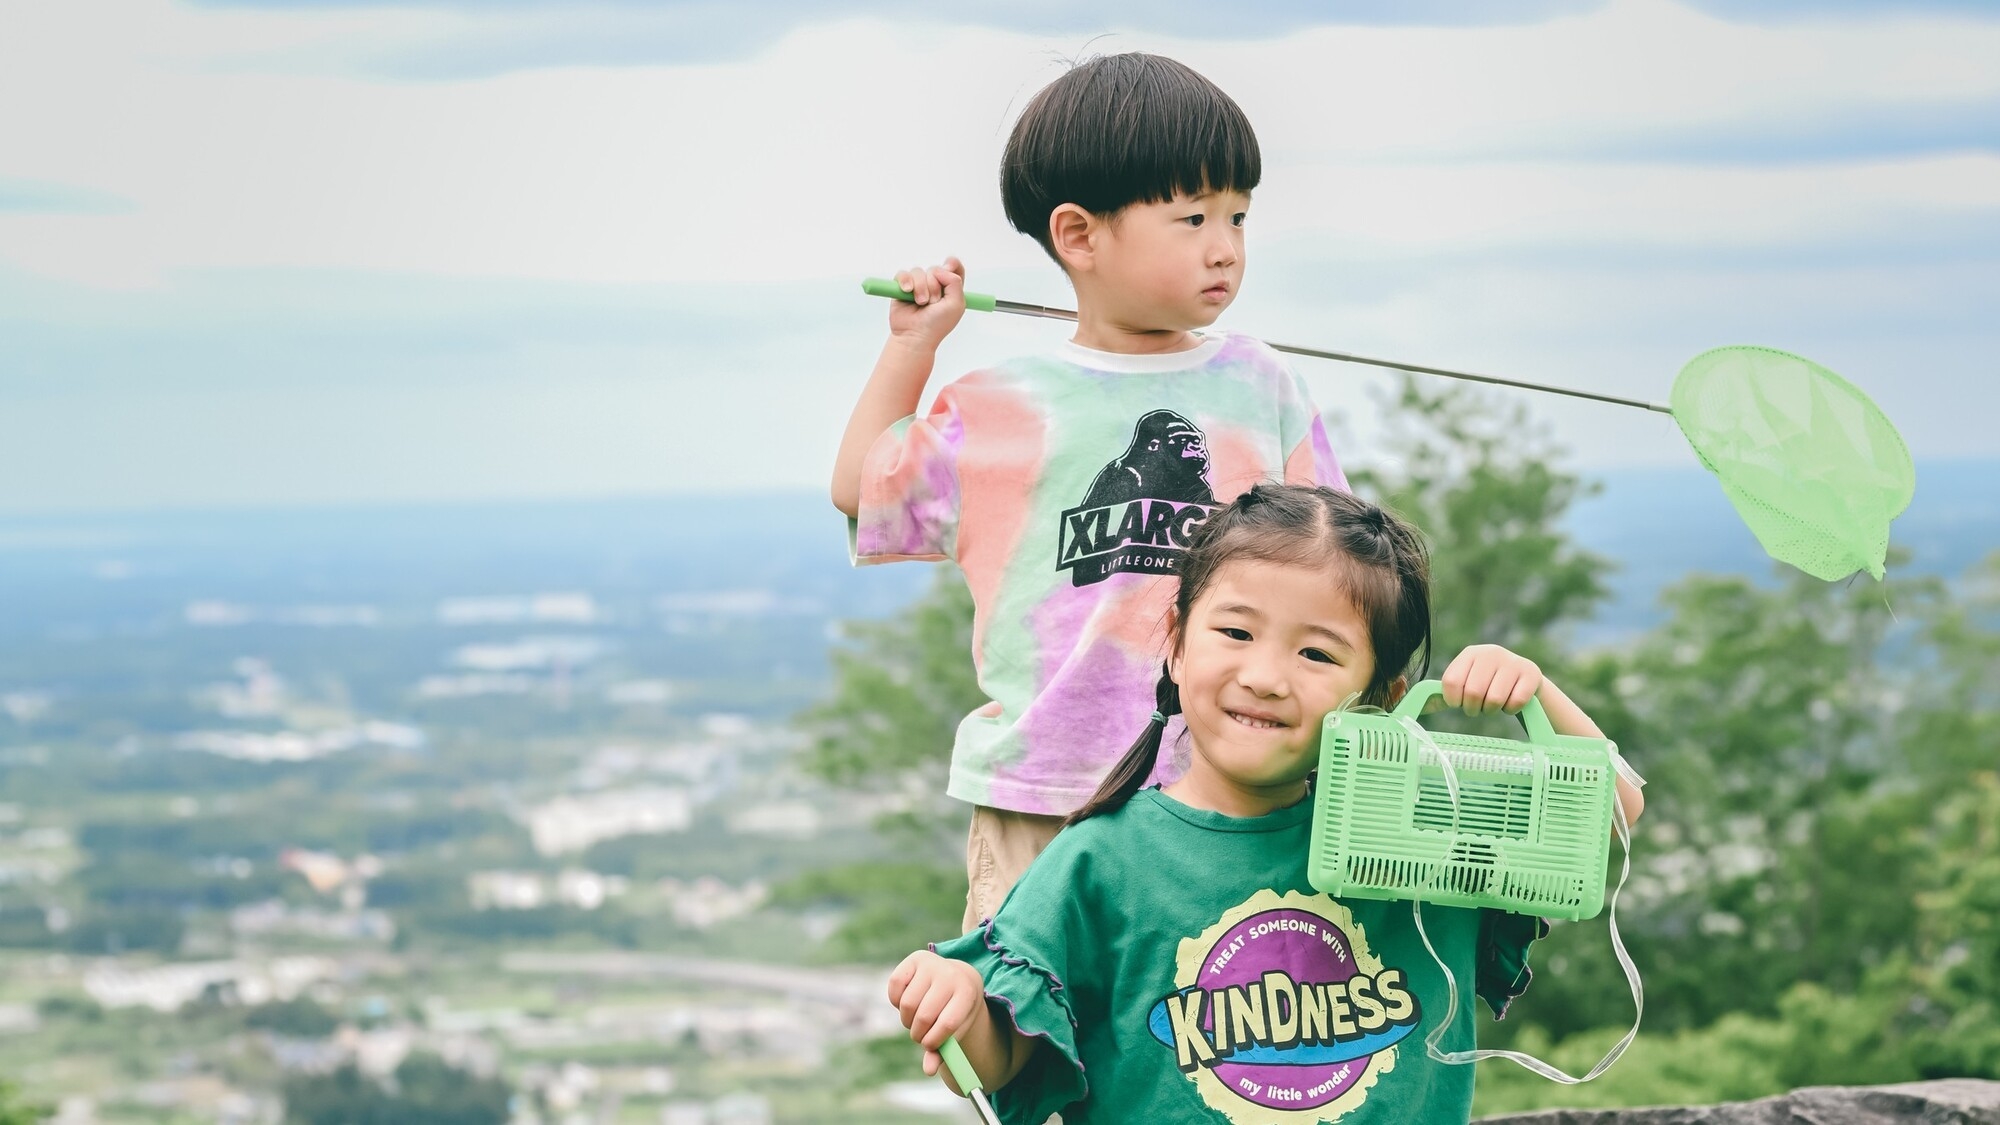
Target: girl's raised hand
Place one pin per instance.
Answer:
(937, 998)
(1487, 678)
(937, 301)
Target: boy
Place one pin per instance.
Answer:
(1065, 486)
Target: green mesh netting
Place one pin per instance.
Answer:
(1810, 463)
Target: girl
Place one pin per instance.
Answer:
(1165, 960)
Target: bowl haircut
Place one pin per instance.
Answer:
(1123, 129)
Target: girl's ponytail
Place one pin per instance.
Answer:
(1132, 770)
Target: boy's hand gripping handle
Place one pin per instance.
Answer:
(887, 287)
(954, 1055)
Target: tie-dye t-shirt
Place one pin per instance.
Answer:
(1176, 965)
(1065, 487)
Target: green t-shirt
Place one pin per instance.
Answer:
(1179, 967)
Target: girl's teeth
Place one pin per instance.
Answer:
(1250, 722)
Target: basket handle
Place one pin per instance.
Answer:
(1532, 716)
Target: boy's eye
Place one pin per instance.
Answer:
(1238, 217)
(1194, 220)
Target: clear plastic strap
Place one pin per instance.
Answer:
(1625, 770)
(1423, 741)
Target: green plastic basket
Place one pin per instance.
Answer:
(1530, 832)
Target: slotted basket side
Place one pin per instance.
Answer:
(1532, 827)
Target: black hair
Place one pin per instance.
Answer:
(1123, 129)
(1378, 560)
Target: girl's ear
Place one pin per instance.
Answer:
(1070, 230)
(1175, 644)
(1397, 687)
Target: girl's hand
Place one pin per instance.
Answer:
(1486, 678)
(937, 301)
(937, 998)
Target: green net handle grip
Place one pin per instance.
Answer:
(1532, 716)
(954, 1058)
(887, 287)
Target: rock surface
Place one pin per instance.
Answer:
(1951, 1101)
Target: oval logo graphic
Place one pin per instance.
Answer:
(1282, 1007)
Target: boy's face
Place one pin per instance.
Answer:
(1173, 265)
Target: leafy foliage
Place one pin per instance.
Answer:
(901, 687)
(14, 1111)
(427, 1091)
(1478, 481)
(891, 908)
(300, 1018)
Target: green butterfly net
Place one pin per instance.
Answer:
(1810, 463)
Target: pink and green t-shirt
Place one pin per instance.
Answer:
(1066, 487)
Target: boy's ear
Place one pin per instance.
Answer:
(1070, 230)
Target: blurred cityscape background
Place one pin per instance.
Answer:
(521, 792)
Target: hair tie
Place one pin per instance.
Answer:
(1166, 696)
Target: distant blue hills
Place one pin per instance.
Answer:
(1656, 524)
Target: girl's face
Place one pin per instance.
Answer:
(1267, 650)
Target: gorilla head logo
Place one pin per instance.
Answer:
(1167, 460)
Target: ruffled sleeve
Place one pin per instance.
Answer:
(1041, 955)
(909, 502)
(1502, 972)
(1031, 990)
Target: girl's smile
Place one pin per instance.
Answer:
(1254, 719)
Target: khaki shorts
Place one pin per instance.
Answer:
(998, 850)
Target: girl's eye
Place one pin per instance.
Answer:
(1320, 656)
(1238, 218)
(1194, 220)
(1235, 634)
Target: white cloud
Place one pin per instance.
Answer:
(1422, 186)
(855, 145)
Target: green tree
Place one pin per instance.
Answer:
(428, 1091)
(300, 1018)
(1479, 477)
(1819, 880)
(1953, 965)
(438, 1093)
(14, 1111)
(900, 688)
(1931, 1006)
(1770, 719)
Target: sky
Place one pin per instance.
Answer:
(358, 251)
